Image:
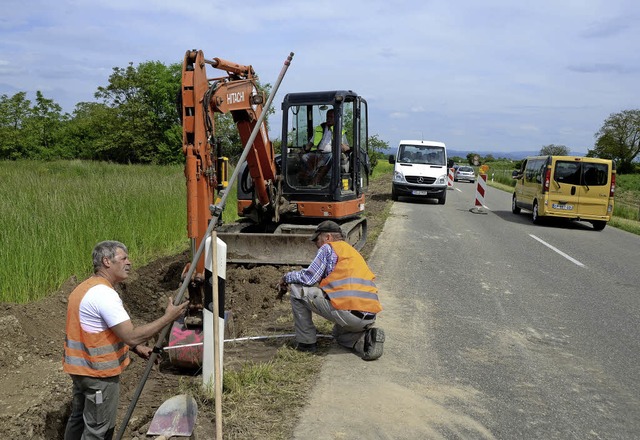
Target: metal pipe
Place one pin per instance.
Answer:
(217, 211)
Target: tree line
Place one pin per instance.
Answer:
(135, 119)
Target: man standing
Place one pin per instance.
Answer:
(346, 295)
(99, 335)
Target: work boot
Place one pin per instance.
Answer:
(373, 340)
(309, 348)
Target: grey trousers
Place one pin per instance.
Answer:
(348, 330)
(93, 408)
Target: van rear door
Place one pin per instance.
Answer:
(564, 193)
(594, 190)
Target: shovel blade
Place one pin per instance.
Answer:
(175, 417)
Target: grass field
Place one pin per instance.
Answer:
(53, 214)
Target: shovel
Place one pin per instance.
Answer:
(175, 417)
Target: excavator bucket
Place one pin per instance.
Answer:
(288, 245)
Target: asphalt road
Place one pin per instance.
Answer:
(496, 328)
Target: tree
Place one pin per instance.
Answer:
(42, 128)
(14, 112)
(377, 147)
(87, 134)
(619, 139)
(144, 101)
(554, 150)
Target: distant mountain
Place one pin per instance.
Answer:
(511, 155)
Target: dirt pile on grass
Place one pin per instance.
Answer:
(36, 394)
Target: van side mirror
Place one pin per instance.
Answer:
(450, 163)
(515, 174)
(392, 159)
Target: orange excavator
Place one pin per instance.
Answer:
(320, 173)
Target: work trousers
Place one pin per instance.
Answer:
(348, 329)
(93, 408)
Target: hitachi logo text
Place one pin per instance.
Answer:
(232, 98)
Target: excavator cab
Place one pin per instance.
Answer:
(322, 173)
(324, 148)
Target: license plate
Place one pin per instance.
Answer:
(420, 193)
(563, 207)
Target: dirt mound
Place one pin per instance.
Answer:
(36, 393)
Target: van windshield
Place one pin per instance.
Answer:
(421, 154)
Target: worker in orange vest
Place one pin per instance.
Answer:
(339, 286)
(99, 335)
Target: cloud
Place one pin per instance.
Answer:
(610, 27)
(604, 68)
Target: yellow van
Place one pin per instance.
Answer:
(572, 187)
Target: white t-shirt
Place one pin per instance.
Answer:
(100, 309)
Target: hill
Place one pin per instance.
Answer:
(512, 155)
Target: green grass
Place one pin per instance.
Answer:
(257, 397)
(53, 214)
(383, 167)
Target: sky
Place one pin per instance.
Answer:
(490, 76)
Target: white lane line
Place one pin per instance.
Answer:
(573, 260)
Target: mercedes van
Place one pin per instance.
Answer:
(420, 170)
(571, 187)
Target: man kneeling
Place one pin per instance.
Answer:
(338, 285)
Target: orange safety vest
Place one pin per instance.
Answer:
(350, 286)
(101, 354)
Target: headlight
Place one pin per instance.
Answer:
(398, 177)
(442, 179)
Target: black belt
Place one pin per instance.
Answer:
(363, 315)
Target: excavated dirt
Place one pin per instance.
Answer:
(35, 394)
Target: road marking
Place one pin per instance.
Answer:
(573, 260)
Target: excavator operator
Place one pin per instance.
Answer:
(319, 161)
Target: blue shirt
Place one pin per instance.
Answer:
(321, 266)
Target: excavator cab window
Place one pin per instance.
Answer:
(326, 148)
(310, 140)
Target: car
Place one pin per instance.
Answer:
(465, 173)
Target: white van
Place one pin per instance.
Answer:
(571, 187)
(420, 170)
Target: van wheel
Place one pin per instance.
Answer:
(536, 216)
(514, 205)
(443, 198)
(394, 195)
(598, 225)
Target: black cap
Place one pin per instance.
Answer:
(326, 226)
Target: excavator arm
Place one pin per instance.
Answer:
(236, 93)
